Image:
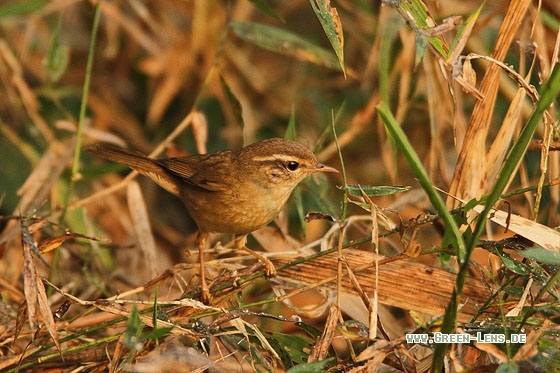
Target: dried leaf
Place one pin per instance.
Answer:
(38, 308)
(20, 320)
(321, 348)
(50, 244)
(538, 233)
(469, 74)
(45, 310)
(413, 249)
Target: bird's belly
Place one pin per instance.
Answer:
(227, 214)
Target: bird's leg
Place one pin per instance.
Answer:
(240, 240)
(201, 240)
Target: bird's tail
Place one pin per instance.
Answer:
(138, 162)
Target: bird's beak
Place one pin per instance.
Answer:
(324, 168)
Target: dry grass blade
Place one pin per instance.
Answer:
(200, 132)
(469, 180)
(497, 153)
(372, 305)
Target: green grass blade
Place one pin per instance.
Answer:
(280, 41)
(328, 16)
(416, 164)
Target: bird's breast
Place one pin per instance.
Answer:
(236, 210)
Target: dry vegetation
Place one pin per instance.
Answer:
(97, 273)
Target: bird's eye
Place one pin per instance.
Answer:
(292, 165)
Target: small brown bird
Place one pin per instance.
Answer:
(234, 192)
